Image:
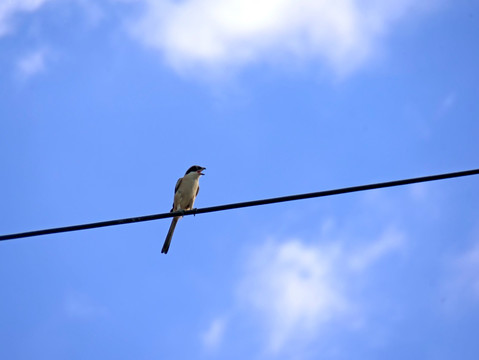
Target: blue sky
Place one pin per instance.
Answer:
(105, 104)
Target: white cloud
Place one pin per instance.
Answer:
(8, 8)
(294, 287)
(215, 34)
(391, 240)
(213, 336)
(32, 64)
(297, 289)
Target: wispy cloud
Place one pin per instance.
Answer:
(8, 8)
(297, 289)
(213, 336)
(215, 34)
(32, 63)
(294, 288)
(390, 241)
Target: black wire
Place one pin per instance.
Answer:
(243, 204)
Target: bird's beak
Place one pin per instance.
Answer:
(200, 172)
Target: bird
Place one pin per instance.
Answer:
(186, 190)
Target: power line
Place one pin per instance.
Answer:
(243, 204)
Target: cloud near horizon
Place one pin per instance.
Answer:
(219, 34)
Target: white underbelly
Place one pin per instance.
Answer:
(186, 194)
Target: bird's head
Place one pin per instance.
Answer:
(196, 169)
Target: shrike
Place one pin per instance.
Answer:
(186, 190)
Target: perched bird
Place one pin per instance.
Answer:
(186, 190)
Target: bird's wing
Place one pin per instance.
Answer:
(178, 183)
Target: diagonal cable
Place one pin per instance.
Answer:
(243, 204)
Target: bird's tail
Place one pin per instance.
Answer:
(167, 243)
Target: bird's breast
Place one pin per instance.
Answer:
(187, 193)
